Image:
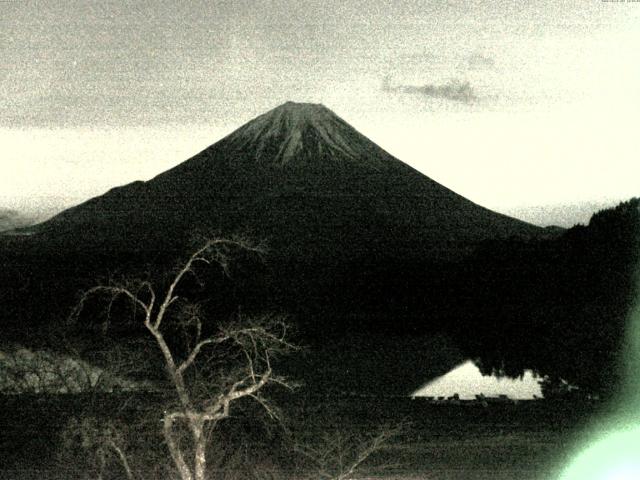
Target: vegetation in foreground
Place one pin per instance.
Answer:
(210, 370)
(502, 441)
(103, 440)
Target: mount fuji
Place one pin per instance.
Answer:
(359, 243)
(300, 178)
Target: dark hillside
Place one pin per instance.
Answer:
(558, 306)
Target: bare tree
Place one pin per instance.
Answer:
(210, 371)
(339, 455)
(102, 440)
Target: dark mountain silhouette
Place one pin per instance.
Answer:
(360, 244)
(300, 178)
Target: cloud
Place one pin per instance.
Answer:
(454, 90)
(479, 60)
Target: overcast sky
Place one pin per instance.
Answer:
(524, 107)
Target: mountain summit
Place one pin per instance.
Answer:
(302, 132)
(299, 136)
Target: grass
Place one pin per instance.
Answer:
(527, 441)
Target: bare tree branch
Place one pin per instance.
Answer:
(339, 456)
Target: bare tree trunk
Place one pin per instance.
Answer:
(174, 449)
(200, 443)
